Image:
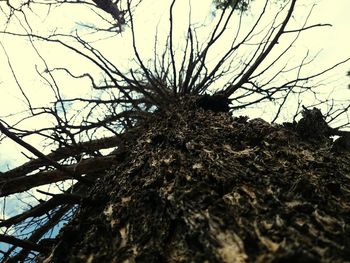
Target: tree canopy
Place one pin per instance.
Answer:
(100, 76)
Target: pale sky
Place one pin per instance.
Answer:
(332, 42)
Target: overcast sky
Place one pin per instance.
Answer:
(332, 44)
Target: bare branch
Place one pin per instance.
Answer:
(40, 155)
(233, 87)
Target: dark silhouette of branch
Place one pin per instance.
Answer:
(37, 234)
(232, 88)
(121, 98)
(21, 243)
(88, 167)
(43, 208)
(61, 153)
(40, 155)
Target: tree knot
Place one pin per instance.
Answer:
(216, 103)
(313, 125)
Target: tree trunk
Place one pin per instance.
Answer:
(202, 186)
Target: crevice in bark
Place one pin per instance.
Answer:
(202, 186)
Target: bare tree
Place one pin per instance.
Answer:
(89, 134)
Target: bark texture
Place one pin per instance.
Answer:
(203, 186)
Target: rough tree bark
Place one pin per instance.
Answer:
(199, 185)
